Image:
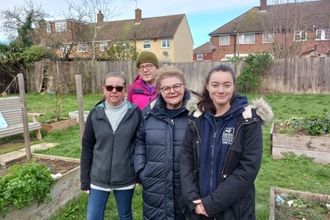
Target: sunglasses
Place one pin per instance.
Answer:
(117, 88)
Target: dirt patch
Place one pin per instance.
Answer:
(54, 165)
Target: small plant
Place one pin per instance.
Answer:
(300, 208)
(24, 184)
(314, 124)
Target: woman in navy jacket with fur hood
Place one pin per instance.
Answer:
(222, 151)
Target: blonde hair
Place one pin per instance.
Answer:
(168, 71)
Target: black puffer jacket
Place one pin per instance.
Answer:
(157, 159)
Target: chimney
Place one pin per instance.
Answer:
(100, 18)
(138, 15)
(263, 5)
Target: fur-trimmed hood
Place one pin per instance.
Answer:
(263, 109)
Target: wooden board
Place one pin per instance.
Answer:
(317, 147)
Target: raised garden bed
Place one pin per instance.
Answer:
(304, 205)
(66, 187)
(317, 147)
(54, 125)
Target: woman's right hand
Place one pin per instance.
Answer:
(86, 191)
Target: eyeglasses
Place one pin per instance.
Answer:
(147, 66)
(117, 88)
(175, 87)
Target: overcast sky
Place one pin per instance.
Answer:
(204, 16)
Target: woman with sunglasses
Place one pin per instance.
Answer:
(158, 144)
(108, 150)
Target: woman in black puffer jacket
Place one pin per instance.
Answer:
(158, 146)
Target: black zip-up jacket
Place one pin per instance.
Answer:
(234, 198)
(107, 157)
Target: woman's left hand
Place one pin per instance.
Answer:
(199, 208)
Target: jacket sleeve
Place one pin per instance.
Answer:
(188, 173)
(86, 158)
(140, 158)
(129, 93)
(241, 176)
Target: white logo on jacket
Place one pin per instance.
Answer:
(228, 135)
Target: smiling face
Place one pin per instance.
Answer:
(148, 73)
(221, 88)
(114, 97)
(172, 91)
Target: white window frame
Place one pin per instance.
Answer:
(300, 36)
(322, 34)
(48, 27)
(146, 44)
(60, 26)
(65, 48)
(165, 43)
(224, 40)
(82, 48)
(199, 56)
(243, 38)
(103, 46)
(267, 38)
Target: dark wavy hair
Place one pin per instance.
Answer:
(206, 102)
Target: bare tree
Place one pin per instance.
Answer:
(288, 22)
(13, 19)
(86, 13)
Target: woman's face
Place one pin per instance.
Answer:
(221, 88)
(114, 90)
(172, 91)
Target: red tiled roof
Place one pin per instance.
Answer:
(289, 16)
(204, 48)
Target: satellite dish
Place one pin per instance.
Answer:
(165, 53)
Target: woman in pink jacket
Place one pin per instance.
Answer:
(143, 89)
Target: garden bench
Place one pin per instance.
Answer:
(11, 110)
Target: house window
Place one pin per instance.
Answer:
(82, 48)
(199, 56)
(323, 34)
(165, 43)
(146, 44)
(267, 38)
(103, 46)
(224, 40)
(49, 28)
(300, 36)
(60, 26)
(65, 48)
(246, 39)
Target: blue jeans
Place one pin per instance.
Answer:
(97, 201)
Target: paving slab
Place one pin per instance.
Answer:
(4, 158)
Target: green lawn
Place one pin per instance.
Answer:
(299, 173)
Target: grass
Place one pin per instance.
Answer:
(292, 172)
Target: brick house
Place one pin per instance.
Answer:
(169, 37)
(203, 52)
(284, 30)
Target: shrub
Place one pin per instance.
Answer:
(24, 184)
(314, 124)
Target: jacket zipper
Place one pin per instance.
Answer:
(212, 156)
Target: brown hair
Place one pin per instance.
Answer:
(115, 74)
(206, 102)
(169, 71)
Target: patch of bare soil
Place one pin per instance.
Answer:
(54, 165)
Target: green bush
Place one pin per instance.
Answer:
(24, 184)
(256, 65)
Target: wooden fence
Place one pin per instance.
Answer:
(301, 75)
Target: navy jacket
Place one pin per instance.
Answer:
(157, 159)
(234, 197)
